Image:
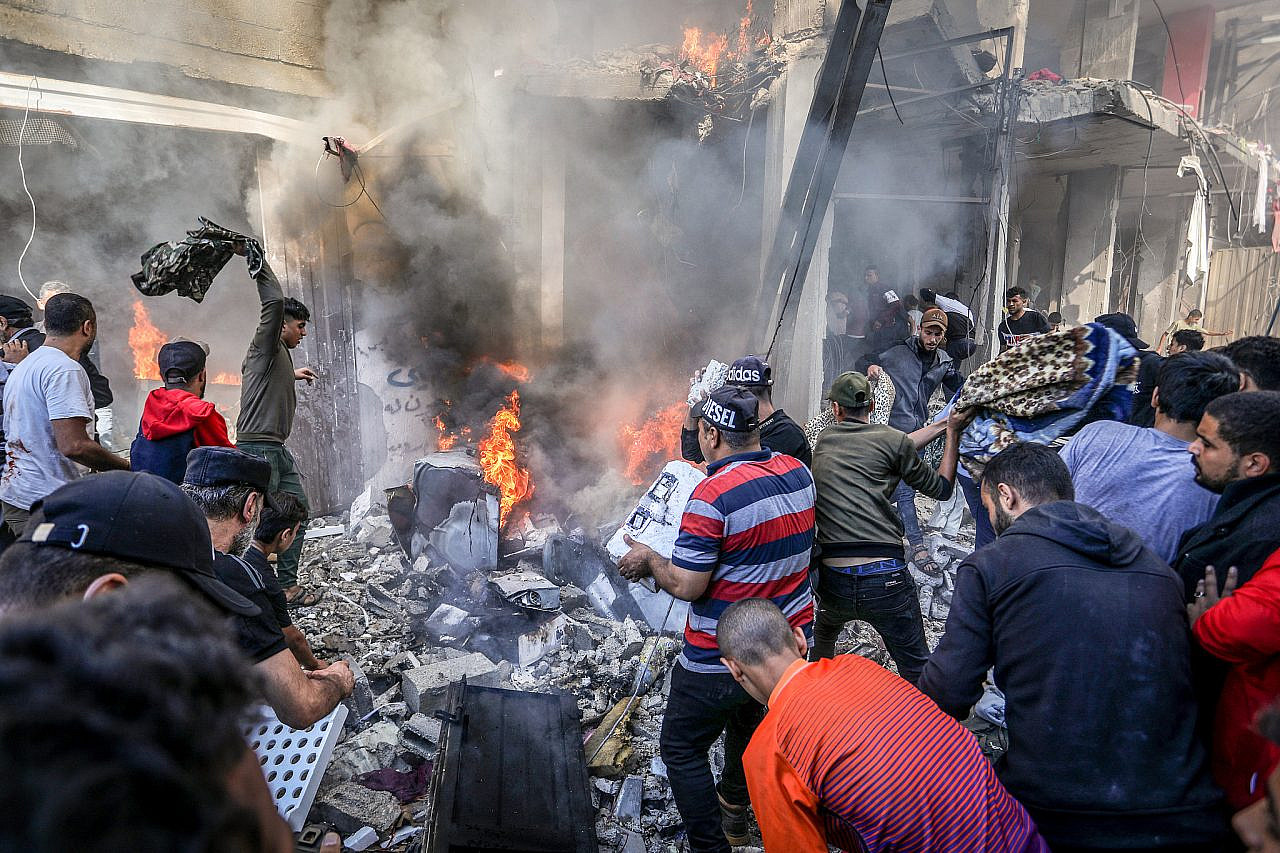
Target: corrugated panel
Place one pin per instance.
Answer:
(1242, 291)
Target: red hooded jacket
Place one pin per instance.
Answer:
(1244, 630)
(169, 411)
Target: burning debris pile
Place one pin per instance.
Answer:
(412, 605)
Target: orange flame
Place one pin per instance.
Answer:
(658, 437)
(145, 341)
(498, 458)
(445, 440)
(512, 369)
(704, 57)
(705, 51)
(226, 377)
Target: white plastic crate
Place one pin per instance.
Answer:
(294, 761)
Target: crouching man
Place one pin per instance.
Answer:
(851, 755)
(230, 486)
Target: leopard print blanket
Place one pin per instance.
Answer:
(1046, 388)
(882, 393)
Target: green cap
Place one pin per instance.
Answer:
(851, 390)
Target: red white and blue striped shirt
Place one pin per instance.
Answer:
(750, 524)
(852, 756)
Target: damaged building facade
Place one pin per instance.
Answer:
(515, 258)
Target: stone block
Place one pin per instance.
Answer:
(630, 799)
(424, 686)
(362, 839)
(349, 807)
(448, 623)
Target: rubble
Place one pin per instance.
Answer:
(349, 807)
(550, 614)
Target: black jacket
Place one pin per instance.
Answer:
(99, 384)
(1243, 531)
(1143, 414)
(1086, 629)
(916, 374)
(777, 433)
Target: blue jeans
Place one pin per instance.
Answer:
(973, 498)
(700, 706)
(887, 601)
(905, 497)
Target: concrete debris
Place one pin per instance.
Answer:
(422, 685)
(551, 616)
(349, 807)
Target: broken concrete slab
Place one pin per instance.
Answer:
(448, 623)
(421, 684)
(369, 750)
(348, 807)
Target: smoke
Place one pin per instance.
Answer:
(659, 237)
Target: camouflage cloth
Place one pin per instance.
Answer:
(190, 266)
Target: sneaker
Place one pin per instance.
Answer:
(733, 820)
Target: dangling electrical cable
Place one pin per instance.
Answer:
(23, 171)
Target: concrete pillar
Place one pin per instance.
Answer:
(1092, 200)
(797, 387)
(1102, 39)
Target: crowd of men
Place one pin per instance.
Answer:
(1123, 598)
(221, 520)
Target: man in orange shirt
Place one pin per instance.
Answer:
(851, 755)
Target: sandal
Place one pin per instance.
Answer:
(924, 561)
(303, 598)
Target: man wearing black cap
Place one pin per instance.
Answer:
(1149, 363)
(857, 467)
(746, 532)
(49, 413)
(176, 418)
(96, 534)
(230, 486)
(778, 431)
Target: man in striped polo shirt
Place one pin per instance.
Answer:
(746, 533)
(854, 757)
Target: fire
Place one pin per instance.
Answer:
(704, 57)
(705, 51)
(145, 341)
(658, 436)
(498, 458)
(445, 440)
(515, 370)
(512, 369)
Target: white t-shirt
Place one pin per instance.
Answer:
(46, 386)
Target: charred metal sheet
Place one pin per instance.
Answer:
(510, 775)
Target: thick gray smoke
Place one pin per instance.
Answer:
(659, 234)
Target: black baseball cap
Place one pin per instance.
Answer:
(225, 466)
(13, 308)
(1123, 325)
(136, 517)
(749, 372)
(731, 409)
(186, 358)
